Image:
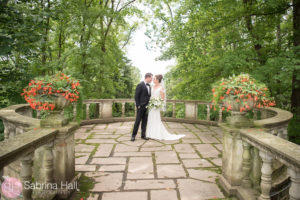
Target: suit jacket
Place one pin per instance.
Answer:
(142, 96)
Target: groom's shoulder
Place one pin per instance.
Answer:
(140, 83)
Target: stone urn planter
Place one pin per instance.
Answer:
(238, 116)
(55, 117)
(240, 94)
(51, 94)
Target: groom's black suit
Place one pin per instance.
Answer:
(142, 97)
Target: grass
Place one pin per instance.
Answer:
(85, 185)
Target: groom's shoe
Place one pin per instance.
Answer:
(145, 138)
(132, 139)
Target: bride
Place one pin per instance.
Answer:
(155, 127)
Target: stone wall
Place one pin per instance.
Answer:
(57, 157)
(247, 171)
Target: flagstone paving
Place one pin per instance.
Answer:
(184, 169)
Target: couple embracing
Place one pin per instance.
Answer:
(152, 126)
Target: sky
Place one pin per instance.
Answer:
(143, 58)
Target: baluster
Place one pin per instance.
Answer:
(246, 164)
(255, 114)
(74, 111)
(282, 132)
(220, 114)
(123, 109)
(38, 114)
(295, 179)
(26, 175)
(87, 111)
(196, 111)
(266, 175)
(6, 130)
(10, 130)
(285, 132)
(263, 114)
(19, 130)
(174, 110)
(256, 166)
(100, 110)
(48, 162)
(208, 113)
(28, 112)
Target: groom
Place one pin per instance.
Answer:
(142, 97)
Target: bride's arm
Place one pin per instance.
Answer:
(162, 94)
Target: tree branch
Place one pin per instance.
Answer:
(127, 4)
(129, 36)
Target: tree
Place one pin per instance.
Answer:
(215, 39)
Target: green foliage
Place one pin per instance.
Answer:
(294, 130)
(85, 185)
(180, 110)
(212, 40)
(84, 39)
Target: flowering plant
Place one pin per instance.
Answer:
(243, 90)
(155, 103)
(41, 92)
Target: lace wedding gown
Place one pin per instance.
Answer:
(155, 127)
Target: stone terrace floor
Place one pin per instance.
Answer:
(184, 169)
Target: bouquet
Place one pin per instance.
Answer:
(155, 103)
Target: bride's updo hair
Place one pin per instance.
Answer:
(159, 77)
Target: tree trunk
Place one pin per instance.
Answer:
(295, 98)
(45, 37)
(278, 34)
(60, 41)
(3, 3)
(257, 46)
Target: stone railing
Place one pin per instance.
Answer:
(22, 147)
(30, 151)
(275, 121)
(259, 162)
(104, 107)
(256, 161)
(17, 119)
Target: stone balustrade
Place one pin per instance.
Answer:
(259, 162)
(30, 151)
(255, 161)
(104, 107)
(275, 121)
(22, 147)
(17, 119)
(271, 148)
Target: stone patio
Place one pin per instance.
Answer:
(184, 169)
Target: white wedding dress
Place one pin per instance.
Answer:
(155, 127)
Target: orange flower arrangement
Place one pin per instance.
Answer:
(40, 92)
(244, 90)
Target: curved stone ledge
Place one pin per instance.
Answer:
(281, 117)
(18, 114)
(283, 150)
(86, 101)
(166, 119)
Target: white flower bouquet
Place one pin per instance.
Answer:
(155, 103)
